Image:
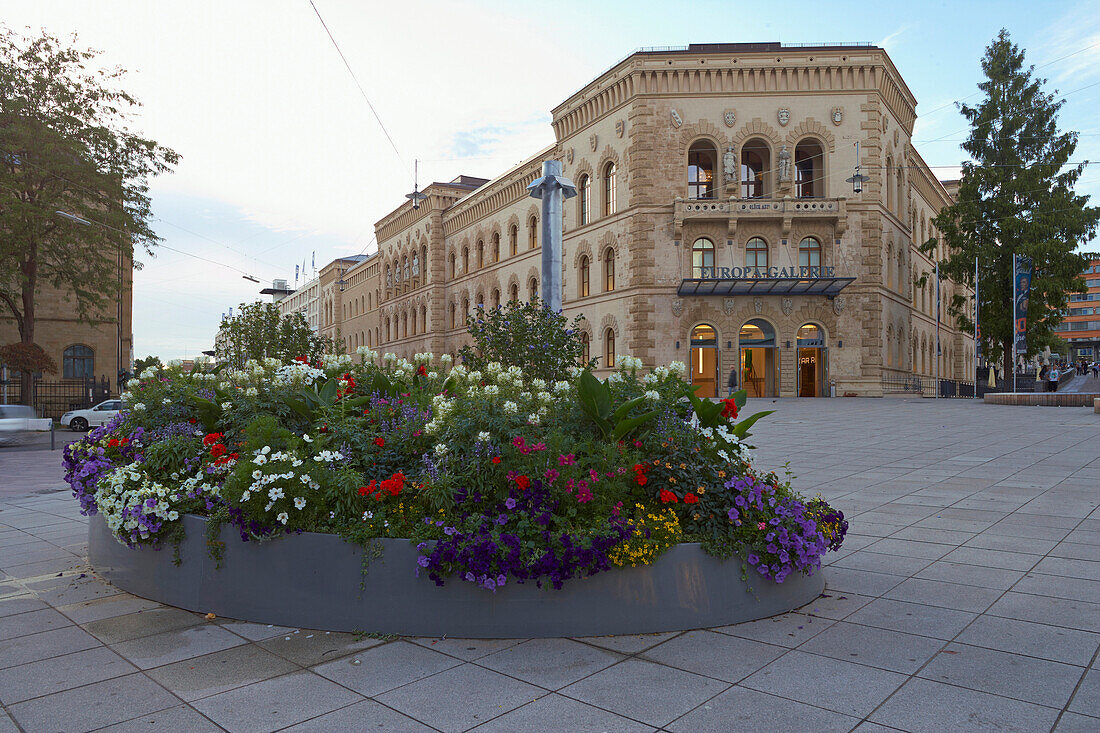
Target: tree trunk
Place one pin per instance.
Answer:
(1009, 366)
(26, 326)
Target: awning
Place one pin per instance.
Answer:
(827, 286)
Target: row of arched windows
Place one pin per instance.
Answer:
(584, 194)
(492, 255)
(758, 172)
(405, 324)
(756, 254)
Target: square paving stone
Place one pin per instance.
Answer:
(1055, 643)
(55, 674)
(992, 558)
(844, 687)
(180, 719)
(882, 648)
(862, 582)
(31, 623)
(307, 648)
(72, 589)
(117, 629)
(912, 618)
(466, 649)
(34, 570)
(628, 643)
(567, 715)
(7, 725)
(275, 703)
(12, 605)
(742, 709)
(550, 663)
(1053, 611)
(385, 667)
(645, 691)
(883, 563)
(1076, 589)
(788, 630)
(172, 646)
(461, 697)
(835, 604)
(1076, 551)
(964, 574)
(93, 706)
(1009, 543)
(727, 658)
(1069, 568)
(910, 548)
(259, 632)
(923, 706)
(928, 534)
(1001, 673)
(1071, 723)
(214, 673)
(366, 715)
(101, 608)
(1087, 699)
(44, 645)
(944, 594)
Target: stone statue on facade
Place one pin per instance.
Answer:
(416, 266)
(784, 164)
(729, 164)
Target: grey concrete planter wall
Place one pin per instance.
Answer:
(317, 581)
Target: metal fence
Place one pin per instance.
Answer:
(53, 398)
(917, 385)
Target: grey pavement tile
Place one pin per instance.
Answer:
(43, 568)
(275, 703)
(866, 727)
(1083, 536)
(844, 687)
(32, 622)
(101, 608)
(1036, 640)
(7, 725)
(550, 663)
(93, 706)
(923, 706)
(1010, 543)
(23, 554)
(1054, 611)
(10, 605)
(259, 632)
(180, 719)
(928, 534)
(172, 646)
(1076, 589)
(385, 667)
(862, 582)
(645, 691)
(72, 589)
(628, 643)
(788, 630)
(365, 715)
(742, 709)
(214, 673)
(13, 588)
(835, 604)
(44, 645)
(1070, 568)
(1025, 532)
(467, 649)
(1074, 723)
(307, 648)
(882, 563)
(984, 577)
(1001, 673)
(913, 618)
(1087, 698)
(1076, 551)
(55, 674)
(567, 715)
(461, 697)
(116, 629)
(992, 558)
(892, 650)
(943, 594)
(910, 548)
(727, 658)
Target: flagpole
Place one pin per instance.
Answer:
(1013, 311)
(977, 347)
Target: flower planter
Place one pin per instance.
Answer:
(319, 581)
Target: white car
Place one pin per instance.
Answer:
(94, 416)
(17, 422)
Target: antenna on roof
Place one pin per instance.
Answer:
(416, 197)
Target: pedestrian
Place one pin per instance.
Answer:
(1042, 379)
(1052, 380)
(732, 384)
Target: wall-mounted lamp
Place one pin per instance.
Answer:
(840, 344)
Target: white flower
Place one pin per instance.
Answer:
(389, 358)
(510, 407)
(367, 515)
(251, 392)
(226, 406)
(615, 377)
(299, 503)
(282, 517)
(652, 395)
(173, 515)
(246, 495)
(306, 438)
(275, 493)
(441, 449)
(561, 386)
(678, 366)
(446, 358)
(138, 406)
(433, 375)
(533, 418)
(257, 473)
(259, 461)
(133, 383)
(484, 437)
(492, 389)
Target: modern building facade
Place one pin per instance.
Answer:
(718, 223)
(1081, 327)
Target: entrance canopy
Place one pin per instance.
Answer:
(827, 286)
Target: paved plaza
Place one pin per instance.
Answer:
(966, 597)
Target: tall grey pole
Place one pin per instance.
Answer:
(977, 346)
(1012, 312)
(937, 330)
(553, 188)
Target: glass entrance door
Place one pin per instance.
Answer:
(704, 361)
(811, 357)
(758, 359)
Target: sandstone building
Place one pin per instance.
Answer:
(716, 224)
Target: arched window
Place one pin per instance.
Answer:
(513, 293)
(454, 315)
(78, 362)
(479, 300)
(480, 254)
(582, 286)
(702, 159)
(609, 269)
(756, 253)
(413, 322)
(532, 232)
(609, 189)
(609, 348)
(584, 200)
(405, 325)
(532, 289)
(755, 159)
(513, 241)
(809, 253)
(809, 169)
(496, 247)
(465, 307)
(889, 184)
(423, 319)
(586, 347)
(451, 264)
(465, 260)
(496, 298)
(702, 258)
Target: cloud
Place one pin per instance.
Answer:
(1070, 51)
(889, 41)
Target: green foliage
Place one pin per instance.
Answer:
(259, 331)
(615, 424)
(1016, 196)
(527, 335)
(27, 358)
(148, 362)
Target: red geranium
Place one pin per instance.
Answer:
(691, 499)
(523, 482)
(112, 443)
(212, 438)
(730, 409)
(668, 497)
(422, 371)
(380, 442)
(496, 459)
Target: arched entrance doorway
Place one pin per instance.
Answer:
(813, 362)
(704, 360)
(758, 359)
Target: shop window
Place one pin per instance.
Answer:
(585, 270)
(755, 159)
(702, 159)
(78, 362)
(702, 257)
(809, 166)
(609, 189)
(609, 270)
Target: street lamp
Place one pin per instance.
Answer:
(858, 179)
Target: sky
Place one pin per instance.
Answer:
(284, 161)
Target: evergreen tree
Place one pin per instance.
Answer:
(1016, 197)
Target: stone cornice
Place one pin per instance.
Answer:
(495, 195)
(440, 196)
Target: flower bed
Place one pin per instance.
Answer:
(497, 476)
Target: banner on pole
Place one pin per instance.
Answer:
(1021, 290)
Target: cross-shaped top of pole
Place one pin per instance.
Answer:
(552, 189)
(551, 181)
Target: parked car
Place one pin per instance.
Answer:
(80, 420)
(18, 423)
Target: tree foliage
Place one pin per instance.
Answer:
(1016, 197)
(148, 362)
(27, 358)
(259, 331)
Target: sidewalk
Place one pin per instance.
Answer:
(967, 597)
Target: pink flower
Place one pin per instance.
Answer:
(551, 475)
(569, 486)
(762, 525)
(594, 474)
(518, 441)
(538, 446)
(567, 460)
(584, 495)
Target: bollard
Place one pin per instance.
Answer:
(52, 423)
